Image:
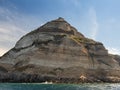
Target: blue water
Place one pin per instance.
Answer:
(23, 86)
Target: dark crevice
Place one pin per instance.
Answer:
(101, 61)
(17, 50)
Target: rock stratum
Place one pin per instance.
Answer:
(57, 52)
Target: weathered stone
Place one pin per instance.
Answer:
(57, 52)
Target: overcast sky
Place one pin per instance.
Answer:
(96, 19)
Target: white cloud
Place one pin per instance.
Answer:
(10, 32)
(112, 50)
(14, 25)
(94, 26)
(3, 50)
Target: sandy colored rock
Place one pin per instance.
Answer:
(58, 52)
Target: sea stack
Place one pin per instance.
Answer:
(56, 52)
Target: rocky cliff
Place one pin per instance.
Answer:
(57, 52)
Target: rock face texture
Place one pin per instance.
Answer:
(57, 52)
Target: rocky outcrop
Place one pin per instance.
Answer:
(57, 52)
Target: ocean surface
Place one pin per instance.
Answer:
(38, 86)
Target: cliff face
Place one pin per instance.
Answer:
(57, 52)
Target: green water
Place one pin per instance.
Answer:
(23, 86)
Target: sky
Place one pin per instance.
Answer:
(96, 19)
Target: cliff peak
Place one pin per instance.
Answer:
(59, 26)
(60, 19)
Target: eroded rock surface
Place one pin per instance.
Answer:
(57, 52)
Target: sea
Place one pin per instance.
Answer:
(39, 86)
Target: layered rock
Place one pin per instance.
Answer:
(57, 52)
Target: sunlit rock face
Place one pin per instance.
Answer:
(58, 51)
